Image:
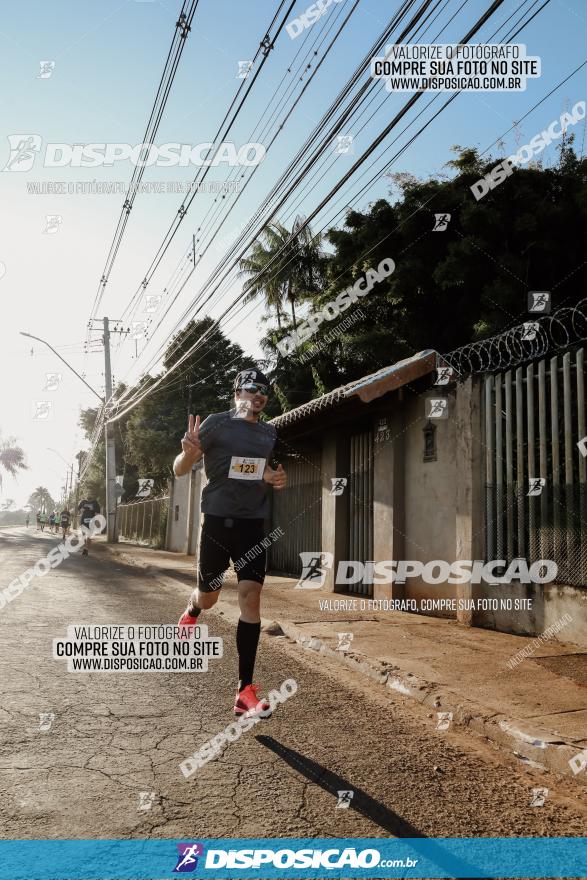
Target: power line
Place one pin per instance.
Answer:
(317, 133)
(182, 29)
(476, 27)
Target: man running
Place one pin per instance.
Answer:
(27, 520)
(38, 518)
(43, 520)
(236, 447)
(89, 508)
(65, 520)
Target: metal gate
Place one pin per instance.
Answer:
(143, 521)
(536, 465)
(361, 504)
(299, 513)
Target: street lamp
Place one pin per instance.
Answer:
(69, 467)
(44, 341)
(108, 433)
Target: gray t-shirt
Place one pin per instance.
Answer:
(235, 455)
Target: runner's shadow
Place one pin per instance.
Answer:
(332, 783)
(375, 811)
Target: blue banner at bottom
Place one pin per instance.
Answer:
(293, 857)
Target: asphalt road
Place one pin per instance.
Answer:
(115, 735)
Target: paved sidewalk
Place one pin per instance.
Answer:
(533, 711)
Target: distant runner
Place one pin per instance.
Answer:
(236, 448)
(38, 518)
(43, 520)
(88, 508)
(65, 520)
(27, 520)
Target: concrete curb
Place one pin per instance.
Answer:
(532, 745)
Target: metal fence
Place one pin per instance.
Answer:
(536, 469)
(299, 513)
(144, 522)
(361, 504)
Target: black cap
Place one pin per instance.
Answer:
(250, 375)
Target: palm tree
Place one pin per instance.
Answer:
(296, 259)
(41, 499)
(11, 458)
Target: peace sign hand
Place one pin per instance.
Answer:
(190, 442)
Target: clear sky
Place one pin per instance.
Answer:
(108, 58)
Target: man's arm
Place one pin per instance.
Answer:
(191, 449)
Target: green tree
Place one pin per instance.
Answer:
(11, 458)
(296, 273)
(456, 286)
(148, 438)
(41, 500)
(202, 385)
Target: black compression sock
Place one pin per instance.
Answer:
(247, 639)
(193, 610)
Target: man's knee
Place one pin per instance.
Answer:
(250, 592)
(205, 600)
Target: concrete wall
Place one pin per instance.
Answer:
(430, 496)
(178, 514)
(184, 524)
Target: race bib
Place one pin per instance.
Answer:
(246, 468)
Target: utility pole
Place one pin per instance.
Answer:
(112, 537)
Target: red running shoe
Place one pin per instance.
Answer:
(185, 621)
(249, 704)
